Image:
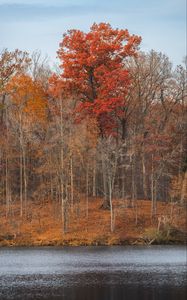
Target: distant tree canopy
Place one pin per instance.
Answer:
(111, 124)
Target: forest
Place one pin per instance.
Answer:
(93, 150)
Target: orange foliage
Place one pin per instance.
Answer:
(11, 63)
(28, 96)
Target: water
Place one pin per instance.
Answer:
(93, 273)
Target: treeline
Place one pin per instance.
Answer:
(110, 122)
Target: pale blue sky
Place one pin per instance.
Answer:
(30, 25)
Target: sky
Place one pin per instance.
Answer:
(39, 25)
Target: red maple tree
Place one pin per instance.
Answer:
(93, 71)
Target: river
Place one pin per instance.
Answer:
(93, 273)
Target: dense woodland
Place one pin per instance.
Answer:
(109, 122)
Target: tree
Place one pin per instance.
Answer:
(94, 73)
(93, 70)
(11, 63)
(29, 103)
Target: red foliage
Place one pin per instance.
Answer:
(93, 70)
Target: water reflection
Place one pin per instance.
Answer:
(106, 273)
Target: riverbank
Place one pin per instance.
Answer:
(133, 225)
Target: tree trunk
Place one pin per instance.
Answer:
(152, 188)
(124, 129)
(21, 185)
(61, 172)
(94, 180)
(7, 180)
(183, 188)
(106, 202)
(24, 179)
(87, 188)
(145, 192)
(7, 187)
(71, 183)
(111, 206)
(134, 190)
(23, 176)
